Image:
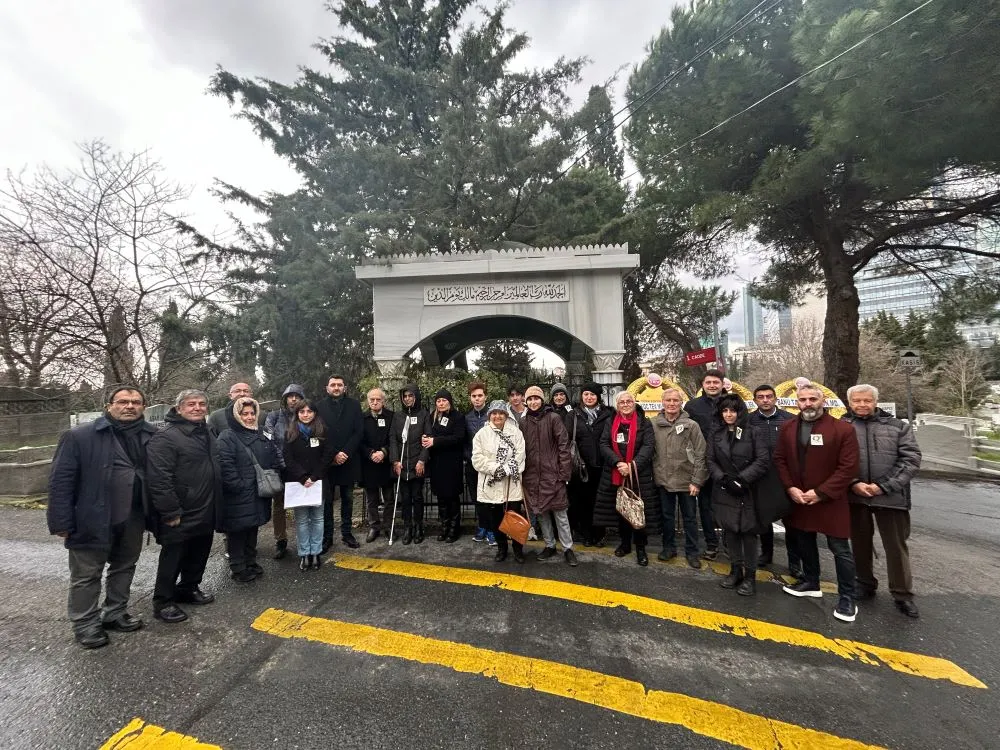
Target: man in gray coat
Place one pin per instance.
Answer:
(880, 495)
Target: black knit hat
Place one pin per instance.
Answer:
(594, 388)
(445, 393)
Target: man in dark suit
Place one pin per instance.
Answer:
(344, 427)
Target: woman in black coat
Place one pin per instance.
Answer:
(308, 454)
(444, 439)
(626, 447)
(243, 511)
(737, 459)
(591, 417)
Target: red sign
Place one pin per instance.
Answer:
(700, 357)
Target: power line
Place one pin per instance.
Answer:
(788, 85)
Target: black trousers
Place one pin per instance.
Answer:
(450, 509)
(628, 534)
(242, 548)
(742, 550)
(411, 500)
(581, 503)
(492, 515)
(767, 548)
(806, 544)
(186, 559)
(346, 509)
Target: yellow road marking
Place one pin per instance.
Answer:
(931, 667)
(700, 716)
(720, 568)
(138, 735)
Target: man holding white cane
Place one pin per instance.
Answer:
(408, 461)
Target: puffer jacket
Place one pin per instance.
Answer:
(485, 444)
(889, 457)
(679, 459)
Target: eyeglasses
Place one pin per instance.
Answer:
(128, 402)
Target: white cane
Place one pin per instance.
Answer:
(399, 479)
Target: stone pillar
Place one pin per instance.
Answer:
(391, 376)
(608, 374)
(574, 377)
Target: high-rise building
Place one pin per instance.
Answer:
(753, 319)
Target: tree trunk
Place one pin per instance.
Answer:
(841, 331)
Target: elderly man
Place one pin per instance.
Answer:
(95, 505)
(768, 418)
(817, 460)
(376, 469)
(880, 495)
(217, 419)
(679, 471)
(184, 486)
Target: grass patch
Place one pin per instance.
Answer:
(988, 455)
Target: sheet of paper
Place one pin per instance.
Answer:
(299, 496)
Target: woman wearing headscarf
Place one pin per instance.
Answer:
(547, 470)
(591, 417)
(444, 440)
(243, 511)
(498, 455)
(738, 458)
(626, 448)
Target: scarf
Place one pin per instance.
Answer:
(506, 460)
(305, 430)
(129, 435)
(591, 413)
(633, 424)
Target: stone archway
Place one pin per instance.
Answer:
(567, 299)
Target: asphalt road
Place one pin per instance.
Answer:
(426, 647)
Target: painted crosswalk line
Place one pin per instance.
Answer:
(139, 735)
(919, 665)
(703, 717)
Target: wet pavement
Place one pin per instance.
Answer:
(428, 647)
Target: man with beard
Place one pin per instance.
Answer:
(342, 416)
(96, 506)
(702, 409)
(275, 427)
(817, 460)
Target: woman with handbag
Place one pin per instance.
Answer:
(307, 455)
(498, 458)
(737, 459)
(244, 510)
(626, 449)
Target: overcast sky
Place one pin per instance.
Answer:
(134, 72)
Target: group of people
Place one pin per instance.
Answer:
(562, 465)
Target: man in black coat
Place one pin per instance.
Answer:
(768, 418)
(95, 505)
(702, 409)
(376, 470)
(342, 416)
(184, 486)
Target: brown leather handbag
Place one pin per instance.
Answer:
(513, 523)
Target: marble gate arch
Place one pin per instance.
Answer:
(566, 299)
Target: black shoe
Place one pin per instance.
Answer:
(640, 556)
(456, 532)
(280, 549)
(171, 613)
(305, 562)
(123, 624)
(734, 579)
(694, 561)
(546, 554)
(327, 545)
(748, 586)
(256, 569)
(407, 535)
(622, 549)
(195, 596)
(908, 608)
(804, 588)
(711, 553)
(519, 555)
(570, 556)
(501, 554)
(317, 562)
(418, 533)
(372, 536)
(666, 555)
(864, 592)
(764, 560)
(846, 610)
(93, 638)
(350, 541)
(244, 576)
(445, 531)
(796, 572)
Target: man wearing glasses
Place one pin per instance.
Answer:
(95, 505)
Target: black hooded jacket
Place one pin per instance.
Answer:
(448, 452)
(409, 451)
